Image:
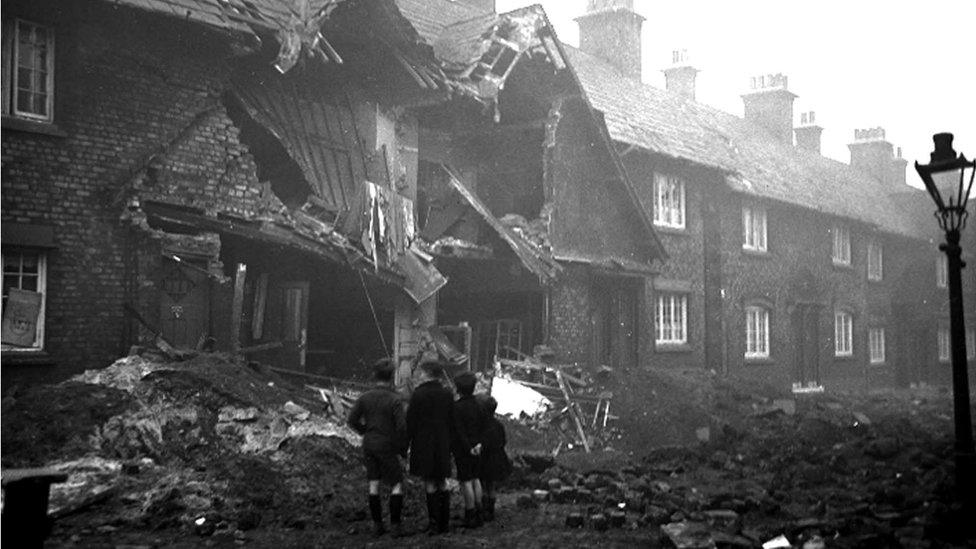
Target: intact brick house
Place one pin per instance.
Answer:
(785, 266)
(274, 181)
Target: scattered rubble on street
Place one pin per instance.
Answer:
(209, 446)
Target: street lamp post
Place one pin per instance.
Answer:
(949, 180)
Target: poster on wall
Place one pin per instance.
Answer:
(20, 315)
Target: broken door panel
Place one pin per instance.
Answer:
(294, 323)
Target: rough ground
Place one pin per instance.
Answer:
(210, 452)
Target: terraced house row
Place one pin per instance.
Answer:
(316, 184)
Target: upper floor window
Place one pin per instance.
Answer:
(842, 245)
(24, 285)
(669, 201)
(942, 271)
(876, 345)
(843, 334)
(945, 344)
(754, 229)
(757, 332)
(971, 343)
(875, 261)
(671, 318)
(28, 70)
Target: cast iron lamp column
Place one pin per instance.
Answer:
(945, 180)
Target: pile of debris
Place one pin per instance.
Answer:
(815, 471)
(157, 443)
(550, 396)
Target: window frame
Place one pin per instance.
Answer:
(876, 345)
(942, 271)
(944, 340)
(875, 265)
(38, 346)
(663, 216)
(753, 240)
(761, 328)
(841, 245)
(971, 344)
(676, 302)
(847, 337)
(11, 76)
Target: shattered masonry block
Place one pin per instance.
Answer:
(599, 522)
(526, 501)
(554, 484)
(574, 520)
(540, 495)
(725, 520)
(618, 519)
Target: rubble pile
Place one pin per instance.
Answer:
(208, 441)
(819, 470)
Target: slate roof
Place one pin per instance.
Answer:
(430, 17)
(758, 164)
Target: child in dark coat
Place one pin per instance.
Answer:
(495, 465)
(429, 429)
(470, 421)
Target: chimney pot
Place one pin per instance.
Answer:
(808, 132)
(874, 155)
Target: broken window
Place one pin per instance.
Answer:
(24, 289)
(671, 319)
(757, 332)
(28, 70)
(669, 201)
(843, 334)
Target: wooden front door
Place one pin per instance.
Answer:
(613, 319)
(294, 323)
(184, 304)
(806, 334)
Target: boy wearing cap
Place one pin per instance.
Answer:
(470, 421)
(379, 417)
(429, 420)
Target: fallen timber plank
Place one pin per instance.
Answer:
(573, 411)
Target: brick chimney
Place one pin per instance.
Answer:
(680, 76)
(770, 104)
(611, 30)
(808, 132)
(874, 155)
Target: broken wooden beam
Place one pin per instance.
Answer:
(573, 411)
(262, 347)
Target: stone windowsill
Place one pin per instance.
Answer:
(664, 229)
(759, 361)
(12, 123)
(672, 348)
(758, 254)
(842, 266)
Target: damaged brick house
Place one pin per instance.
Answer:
(785, 266)
(266, 177)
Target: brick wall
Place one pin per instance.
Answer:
(569, 316)
(127, 84)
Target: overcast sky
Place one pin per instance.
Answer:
(907, 66)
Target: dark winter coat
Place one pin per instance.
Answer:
(495, 465)
(470, 420)
(429, 420)
(379, 416)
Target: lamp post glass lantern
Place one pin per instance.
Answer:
(948, 179)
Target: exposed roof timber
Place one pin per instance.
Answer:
(536, 261)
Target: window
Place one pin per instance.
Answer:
(876, 345)
(671, 319)
(842, 245)
(24, 270)
(669, 201)
(28, 70)
(754, 229)
(945, 344)
(875, 261)
(757, 332)
(942, 272)
(843, 334)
